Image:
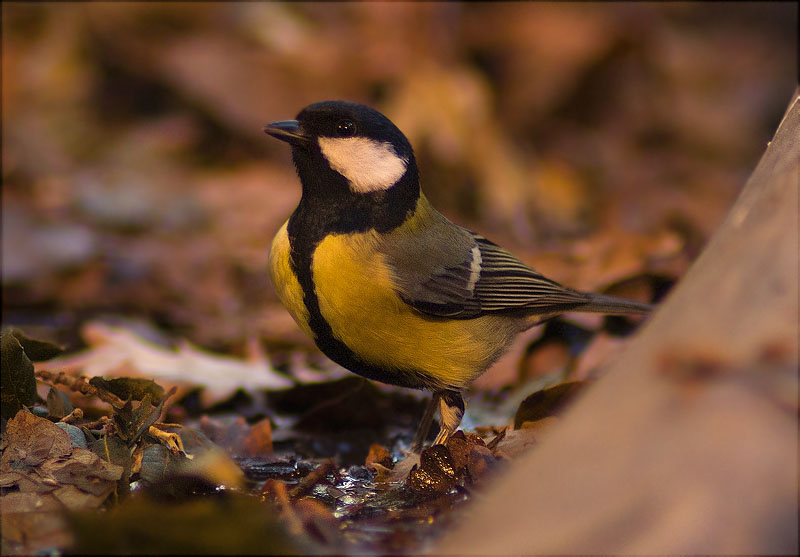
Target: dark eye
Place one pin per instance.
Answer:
(346, 128)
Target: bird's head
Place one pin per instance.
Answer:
(343, 147)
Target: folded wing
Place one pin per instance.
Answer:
(488, 279)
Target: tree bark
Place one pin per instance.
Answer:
(688, 444)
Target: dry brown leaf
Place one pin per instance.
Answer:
(30, 440)
(258, 441)
(118, 352)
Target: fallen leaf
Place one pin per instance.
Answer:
(113, 450)
(481, 463)
(32, 523)
(547, 402)
(132, 423)
(73, 498)
(230, 435)
(378, 455)
(83, 469)
(436, 473)
(76, 436)
(158, 463)
(116, 351)
(30, 440)
(516, 442)
(258, 440)
(36, 350)
(58, 403)
(130, 388)
(17, 383)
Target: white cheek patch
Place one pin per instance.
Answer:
(367, 164)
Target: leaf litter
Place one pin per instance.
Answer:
(325, 465)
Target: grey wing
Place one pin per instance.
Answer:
(488, 279)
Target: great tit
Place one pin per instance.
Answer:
(387, 286)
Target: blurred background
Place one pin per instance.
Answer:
(602, 143)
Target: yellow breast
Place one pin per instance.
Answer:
(358, 300)
(285, 281)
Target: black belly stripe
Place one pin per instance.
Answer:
(316, 218)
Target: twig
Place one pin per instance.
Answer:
(280, 493)
(79, 384)
(312, 478)
(172, 441)
(72, 417)
(492, 445)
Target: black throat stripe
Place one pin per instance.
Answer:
(318, 216)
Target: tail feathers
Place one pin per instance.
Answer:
(598, 303)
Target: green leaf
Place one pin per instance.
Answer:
(17, 383)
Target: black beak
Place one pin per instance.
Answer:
(288, 131)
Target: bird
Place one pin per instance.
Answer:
(387, 286)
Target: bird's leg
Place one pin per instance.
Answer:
(425, 423)
(451, 410)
